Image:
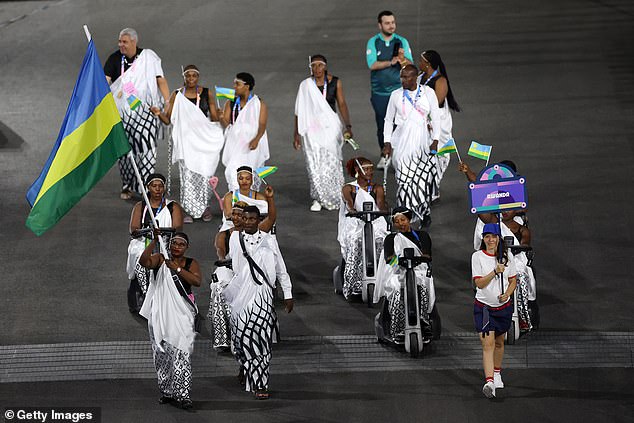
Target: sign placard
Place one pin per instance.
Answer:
(498, 189)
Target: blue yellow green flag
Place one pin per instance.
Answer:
(480, 151)
(90, 141)
(449, 147)
(265, 171)
(227, 93)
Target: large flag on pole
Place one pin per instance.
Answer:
(90, 141)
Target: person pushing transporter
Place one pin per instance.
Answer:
(137, 82)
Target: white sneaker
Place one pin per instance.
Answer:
(497, 380)
(381, 164)
(316, 206)
(489, 390)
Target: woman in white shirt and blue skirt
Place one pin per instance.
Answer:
(494, 279)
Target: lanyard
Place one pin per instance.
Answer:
(416, 236)
(413, 102)
(431, 77)
(124, 62)
(237, 108)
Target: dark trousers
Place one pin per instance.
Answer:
(379, 104)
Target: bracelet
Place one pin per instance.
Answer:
(348, 126)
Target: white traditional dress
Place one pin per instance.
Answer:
(237, 138)
(321, 132)
(135, 91)
(350, 237)
(197, 145)
(413, 113)
(137, 245)
(389, 280)
(250, 296)
(171, 326)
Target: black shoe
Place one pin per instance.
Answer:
(241, 377)
(185, 404)
(165, 399)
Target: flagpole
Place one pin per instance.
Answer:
(147, 202)
(87, 33)
(457, 152)
(489, 156)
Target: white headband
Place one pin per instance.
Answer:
(190, 70)
(179, 237)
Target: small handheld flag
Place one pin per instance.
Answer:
(449, 147)
(481, 151)
(133, 102)
(394, 261)
(227, 93)
(265, 171)
(352, 143)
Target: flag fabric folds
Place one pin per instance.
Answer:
(449, 147)
(227, 93)
(265, 171)
(90, 141)
(480, 151)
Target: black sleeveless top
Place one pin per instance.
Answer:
(204, 100)
(432, 84)
(331, 92)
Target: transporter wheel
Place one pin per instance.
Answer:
(370, 295)
(413, 345)
(436, 323)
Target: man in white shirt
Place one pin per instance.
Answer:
(257, 263)
(411, 131)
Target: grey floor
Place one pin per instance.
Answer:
(549, 84)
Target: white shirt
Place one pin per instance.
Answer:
(263, 248)
(481, 265)
(399, 108)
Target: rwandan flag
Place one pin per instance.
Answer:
(227, 93)
(265, 171)
(90, 141)
(480, 151)
(449, 147)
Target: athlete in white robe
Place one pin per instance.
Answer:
(237, 138)
(414, 110)
(322, 138)
(350, 237)
(139, 82)
(250, 296)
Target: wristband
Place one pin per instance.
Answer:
(433, 151)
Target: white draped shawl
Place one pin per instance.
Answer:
(389, 278)
(197, 140)
(237, 139)
(317, 123)
(412, 133)
(169, 315)
(140, 81)
(242, 289)
(348, 225)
